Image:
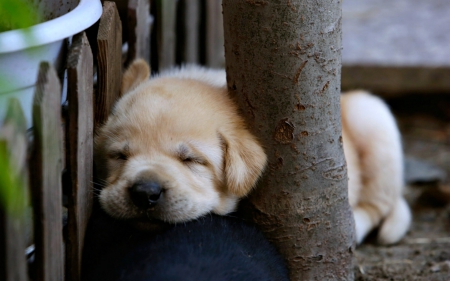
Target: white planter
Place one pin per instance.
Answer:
(20, 57)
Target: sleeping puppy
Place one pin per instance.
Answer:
(175, 149)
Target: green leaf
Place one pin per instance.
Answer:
(16, 14)
(12, 195)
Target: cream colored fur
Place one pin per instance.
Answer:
(187, 112)
(182, 130)
(374, 157)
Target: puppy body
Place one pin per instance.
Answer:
(180, 133)
(374, 157)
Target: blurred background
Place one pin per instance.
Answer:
(400, 50)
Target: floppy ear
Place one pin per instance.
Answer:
(136, 73)
(245, 161)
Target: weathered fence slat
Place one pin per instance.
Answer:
(191, 31)
(215, 52)
(109, 60)
(166, 12)
(13, 146)
(45, 175)
(139, 24)
(79, 150)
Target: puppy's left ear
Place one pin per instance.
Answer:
(245, 161)
(136, 73)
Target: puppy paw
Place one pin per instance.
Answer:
(396, 224)
(363, 223)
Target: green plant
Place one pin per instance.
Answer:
(13, 145)
(12, 189)
(15, 14)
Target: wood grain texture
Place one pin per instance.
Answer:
(215, 53)
(139, 25)
(109, 62)
(45, 175)
(13, 146)
(392, 80)
(191, 31)
(79, 150)
(166, 10)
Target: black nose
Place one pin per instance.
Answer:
(145, 194)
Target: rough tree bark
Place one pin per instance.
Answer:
(283, 67)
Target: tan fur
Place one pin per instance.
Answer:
(137, 72)
(158, 122)
(155, 125)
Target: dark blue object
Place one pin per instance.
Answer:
(210, 248)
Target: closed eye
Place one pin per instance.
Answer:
(118, 155)
(188, 157)
(193, 160)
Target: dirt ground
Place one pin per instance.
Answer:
(424, 254)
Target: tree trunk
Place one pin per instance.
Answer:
(283, 68)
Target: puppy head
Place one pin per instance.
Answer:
(173, 150)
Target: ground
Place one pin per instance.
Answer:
(424, 254)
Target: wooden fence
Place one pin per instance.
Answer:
(50, 166)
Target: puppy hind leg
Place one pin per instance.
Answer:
(396, 223)
(367, 217)
(374, 131)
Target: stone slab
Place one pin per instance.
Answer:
(410, 38)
